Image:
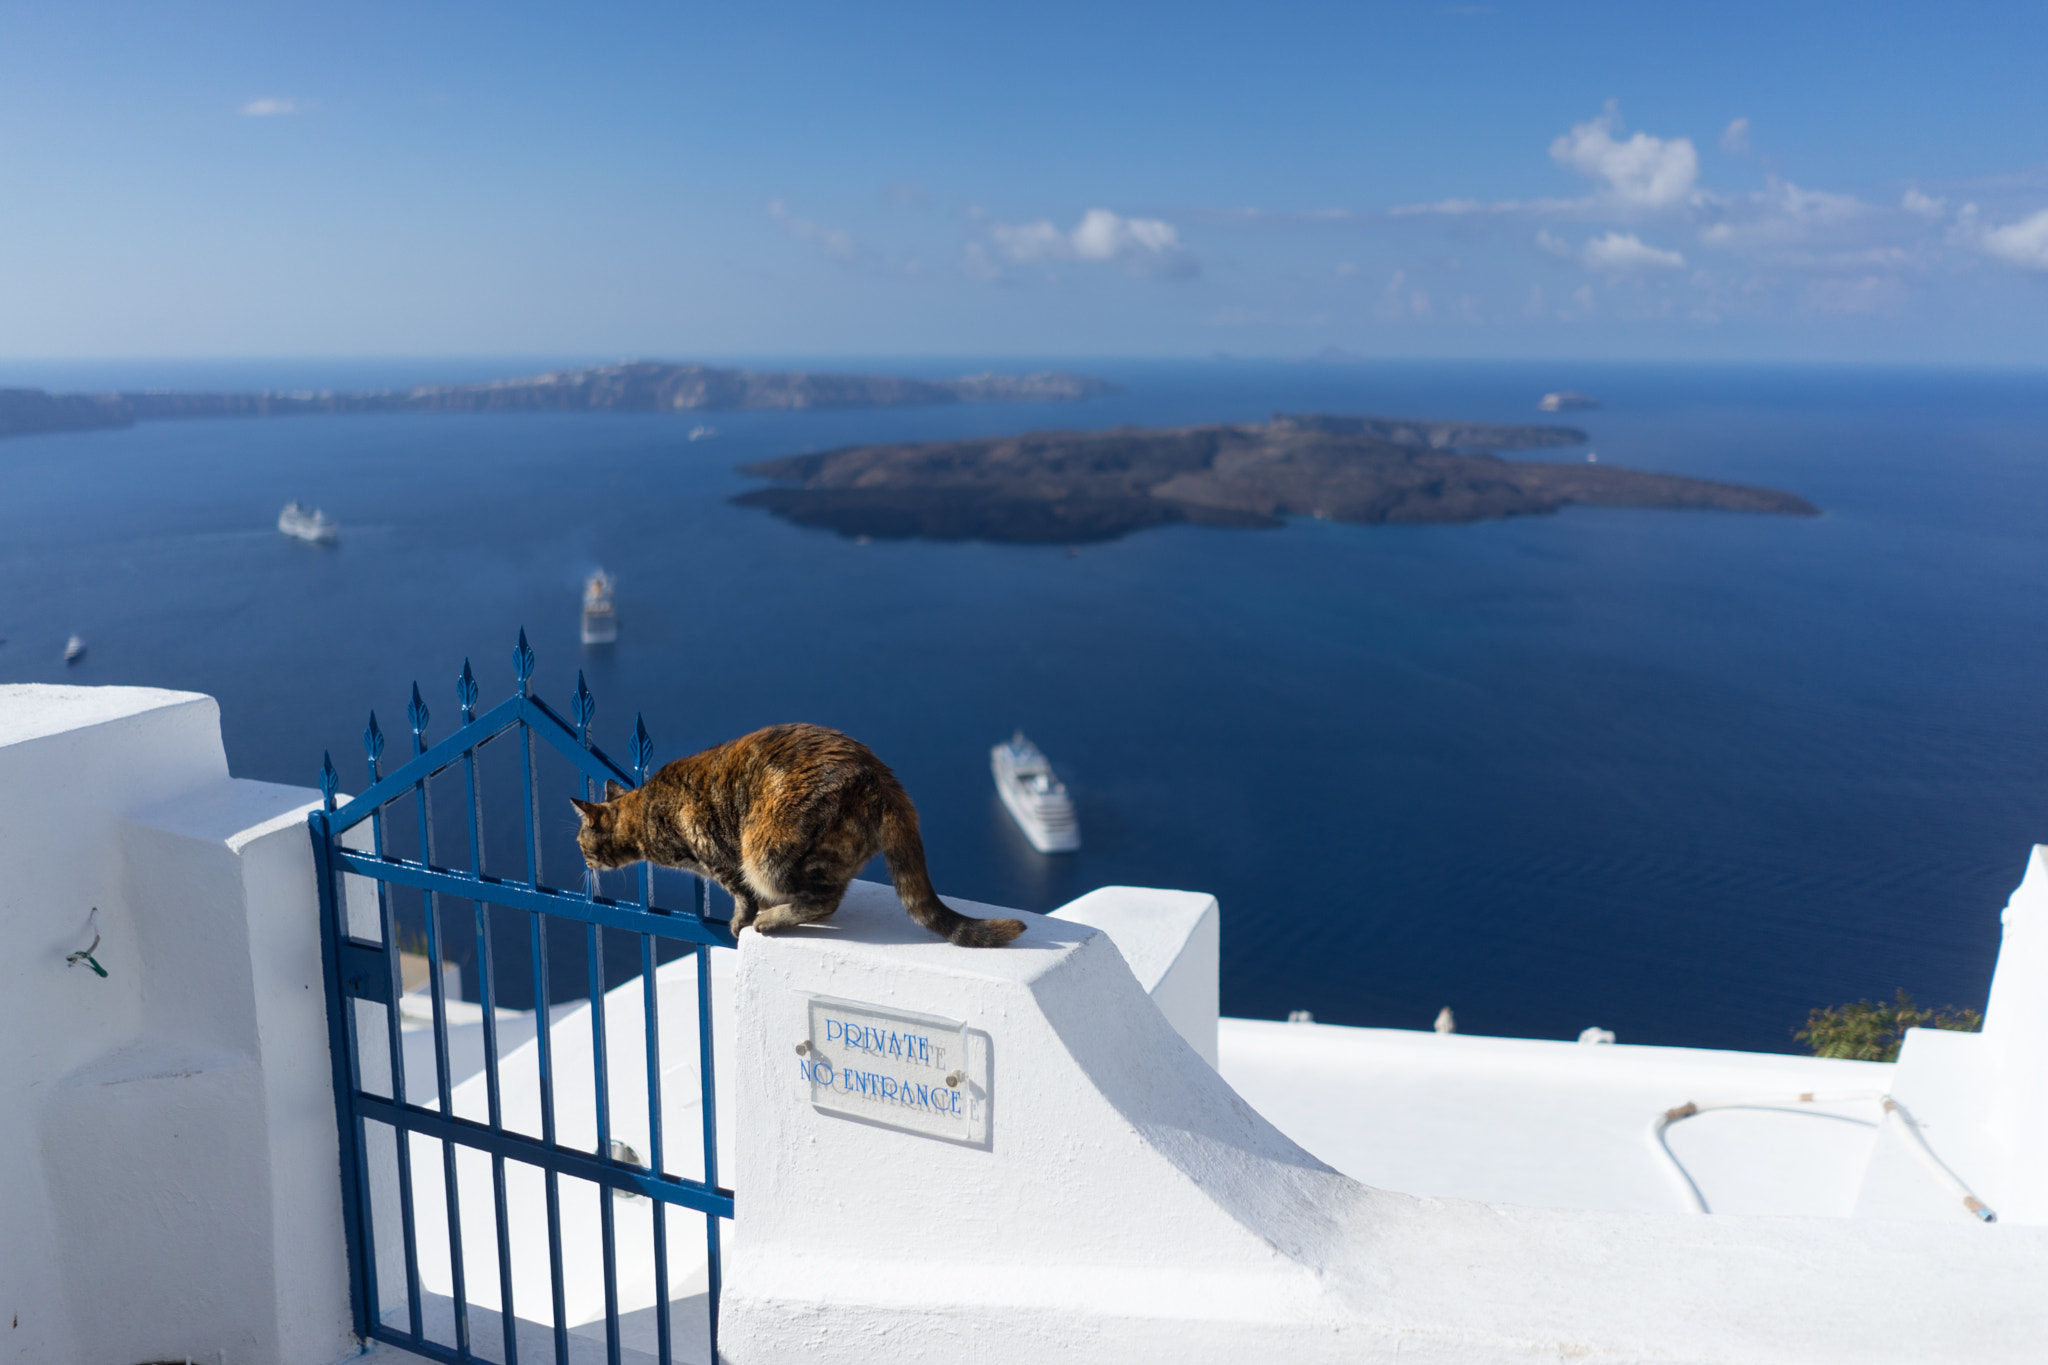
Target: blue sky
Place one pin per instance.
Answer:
(1779, 181)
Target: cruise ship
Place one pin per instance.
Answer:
(600, 621)
(312, 527)
(1036, 799)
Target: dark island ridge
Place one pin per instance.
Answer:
(638, 386)
(1063, 487)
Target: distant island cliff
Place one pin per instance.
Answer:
(638, 386)
(1072, 486)
(25, 411)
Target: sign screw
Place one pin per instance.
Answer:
(955, 1079)
(803, 1049)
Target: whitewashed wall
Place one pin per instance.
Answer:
(167, 1133)
(1118, 1202)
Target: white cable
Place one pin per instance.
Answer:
(1895, 1118)
(1909, 1133)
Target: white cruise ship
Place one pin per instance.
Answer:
(600, 621)
(1036, 799)
(313, 527)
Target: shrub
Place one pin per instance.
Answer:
(1864, 1032)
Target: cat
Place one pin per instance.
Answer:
(783, 819)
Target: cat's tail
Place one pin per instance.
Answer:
(903, 849)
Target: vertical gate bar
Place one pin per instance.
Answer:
(437, 996)
(543, 1028)
(373, 745)
(641, 751)
(522, 663)
(656, 1162)
(487, 992)
(601, 1081)
(582, 706)
(543, 1034)
(341, 1052)
(353, 1129)
(712, 1267)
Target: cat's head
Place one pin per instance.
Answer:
(603, 838)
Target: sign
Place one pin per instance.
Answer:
(902, 1070)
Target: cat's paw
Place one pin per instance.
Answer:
(777, 917)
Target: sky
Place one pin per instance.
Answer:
(1728, 182)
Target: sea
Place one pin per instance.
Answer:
(1682, 775)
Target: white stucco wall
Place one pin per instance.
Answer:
(2015, 1048)
(1128, 1206)
(1172, 942)
(168, 1131)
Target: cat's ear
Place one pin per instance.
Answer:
(591, 811)
(612, 790)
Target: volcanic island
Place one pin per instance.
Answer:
(1072, 487)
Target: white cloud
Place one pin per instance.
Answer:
(1735, 138)
(2024, 244)
(1926, 205)
(1346, 269)
(1458, 208)
(835, 243)
(271, 107)
(1555, 245)
(1642, 172)
(1030, 243)
(1797, 228)
(1620, 253)
(1143, 246)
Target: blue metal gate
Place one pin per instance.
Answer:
(362, 948)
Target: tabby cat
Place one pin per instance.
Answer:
(783, 819)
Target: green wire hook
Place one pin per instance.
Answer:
(85, 954)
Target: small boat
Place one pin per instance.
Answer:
(1566, 401)
(1036, 799)
(74, 650)
(700, 432)
(600, 619)
(312, 527)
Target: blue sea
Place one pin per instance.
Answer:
(1682, 775)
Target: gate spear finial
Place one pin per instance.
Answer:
(522, 661)
(417, 713)
(582, 707)
(642, 750)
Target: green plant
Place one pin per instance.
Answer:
(1865, 1032)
